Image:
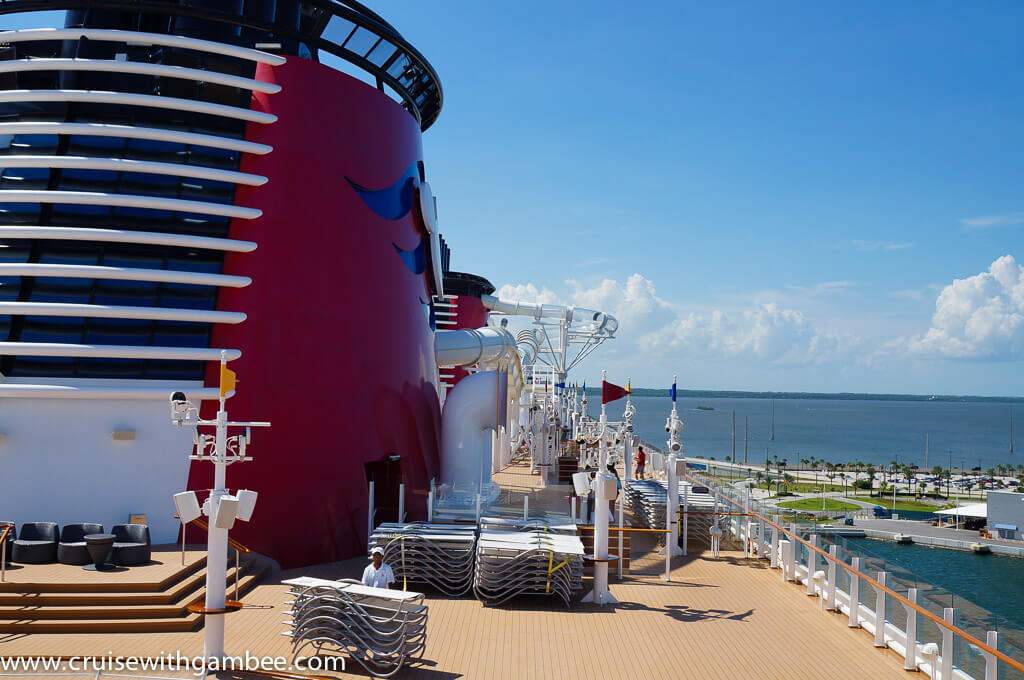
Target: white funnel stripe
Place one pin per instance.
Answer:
(119, 312)
(57, 349)
(129, 165)
(138, 68)
(131, 99)
(128, 201)
(82, 271)
(126, 236)
(23, 391)
(140, 38)
(131, 132)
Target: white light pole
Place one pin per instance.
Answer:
(600, 595)
(674, 426)
(221, 508)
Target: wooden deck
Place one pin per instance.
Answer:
(719, 618)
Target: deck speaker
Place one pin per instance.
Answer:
(581, 481)
(227, 509)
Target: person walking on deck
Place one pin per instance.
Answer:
(641, 461)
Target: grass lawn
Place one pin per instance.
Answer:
(814, 505)
(901, 504)
(807, 520)
(801, 487)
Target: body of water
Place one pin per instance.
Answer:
(839, 431)
(994, 583)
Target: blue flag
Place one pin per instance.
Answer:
(672, 392)
(560, 385)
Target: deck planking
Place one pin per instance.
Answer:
(718, 618)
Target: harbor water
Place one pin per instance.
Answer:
(840, 431)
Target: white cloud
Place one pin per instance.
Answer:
(980, 317)
(634, 303)
(528, 293)
(648, 324)
(992, 221)
(767, 332)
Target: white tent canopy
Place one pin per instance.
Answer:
(969, 510)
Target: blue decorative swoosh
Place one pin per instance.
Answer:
(393, 202)
(428, 313)
(415, 259)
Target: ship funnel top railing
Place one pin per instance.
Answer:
(321, 30)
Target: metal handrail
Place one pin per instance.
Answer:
(941, 623)
(239, 548)
(3, 550)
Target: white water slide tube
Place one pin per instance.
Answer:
(471, 406)
(598, 322)
(469, 411)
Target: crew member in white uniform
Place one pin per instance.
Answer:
(378, 574)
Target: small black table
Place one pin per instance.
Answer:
(99, 547)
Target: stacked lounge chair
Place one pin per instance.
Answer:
(380, 629)
(438, 555)
(647, 499)
(533, 561)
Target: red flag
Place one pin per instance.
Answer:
(611, 392)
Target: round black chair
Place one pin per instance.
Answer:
(72, 548)
(131, 544)
(36, 543)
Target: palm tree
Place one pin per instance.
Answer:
(871, 480)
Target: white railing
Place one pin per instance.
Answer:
(935, 660)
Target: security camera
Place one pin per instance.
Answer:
(676, 447)
(178, 398)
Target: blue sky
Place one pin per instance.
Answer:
(772, 196)
(794, 184)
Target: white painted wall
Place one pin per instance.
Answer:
(60, 463)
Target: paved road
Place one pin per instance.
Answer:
(901, 526)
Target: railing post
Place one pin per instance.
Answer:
(775, 548)
(854, 594)
(812, 561)
(991, 664)
(784, 546)
(910, 654)
(430, 506)
(401, 503)
(526, 508)
(621, 535)
(236, 574)
(572, 508)
(686, 516)
(3, 556)
(947, 645)
(762, 537)
(369, 516)
(880, 607)
(833, 553)
(478, 508)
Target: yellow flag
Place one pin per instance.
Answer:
(627, 388)
(227, 380)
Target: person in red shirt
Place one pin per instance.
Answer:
(641, 461)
